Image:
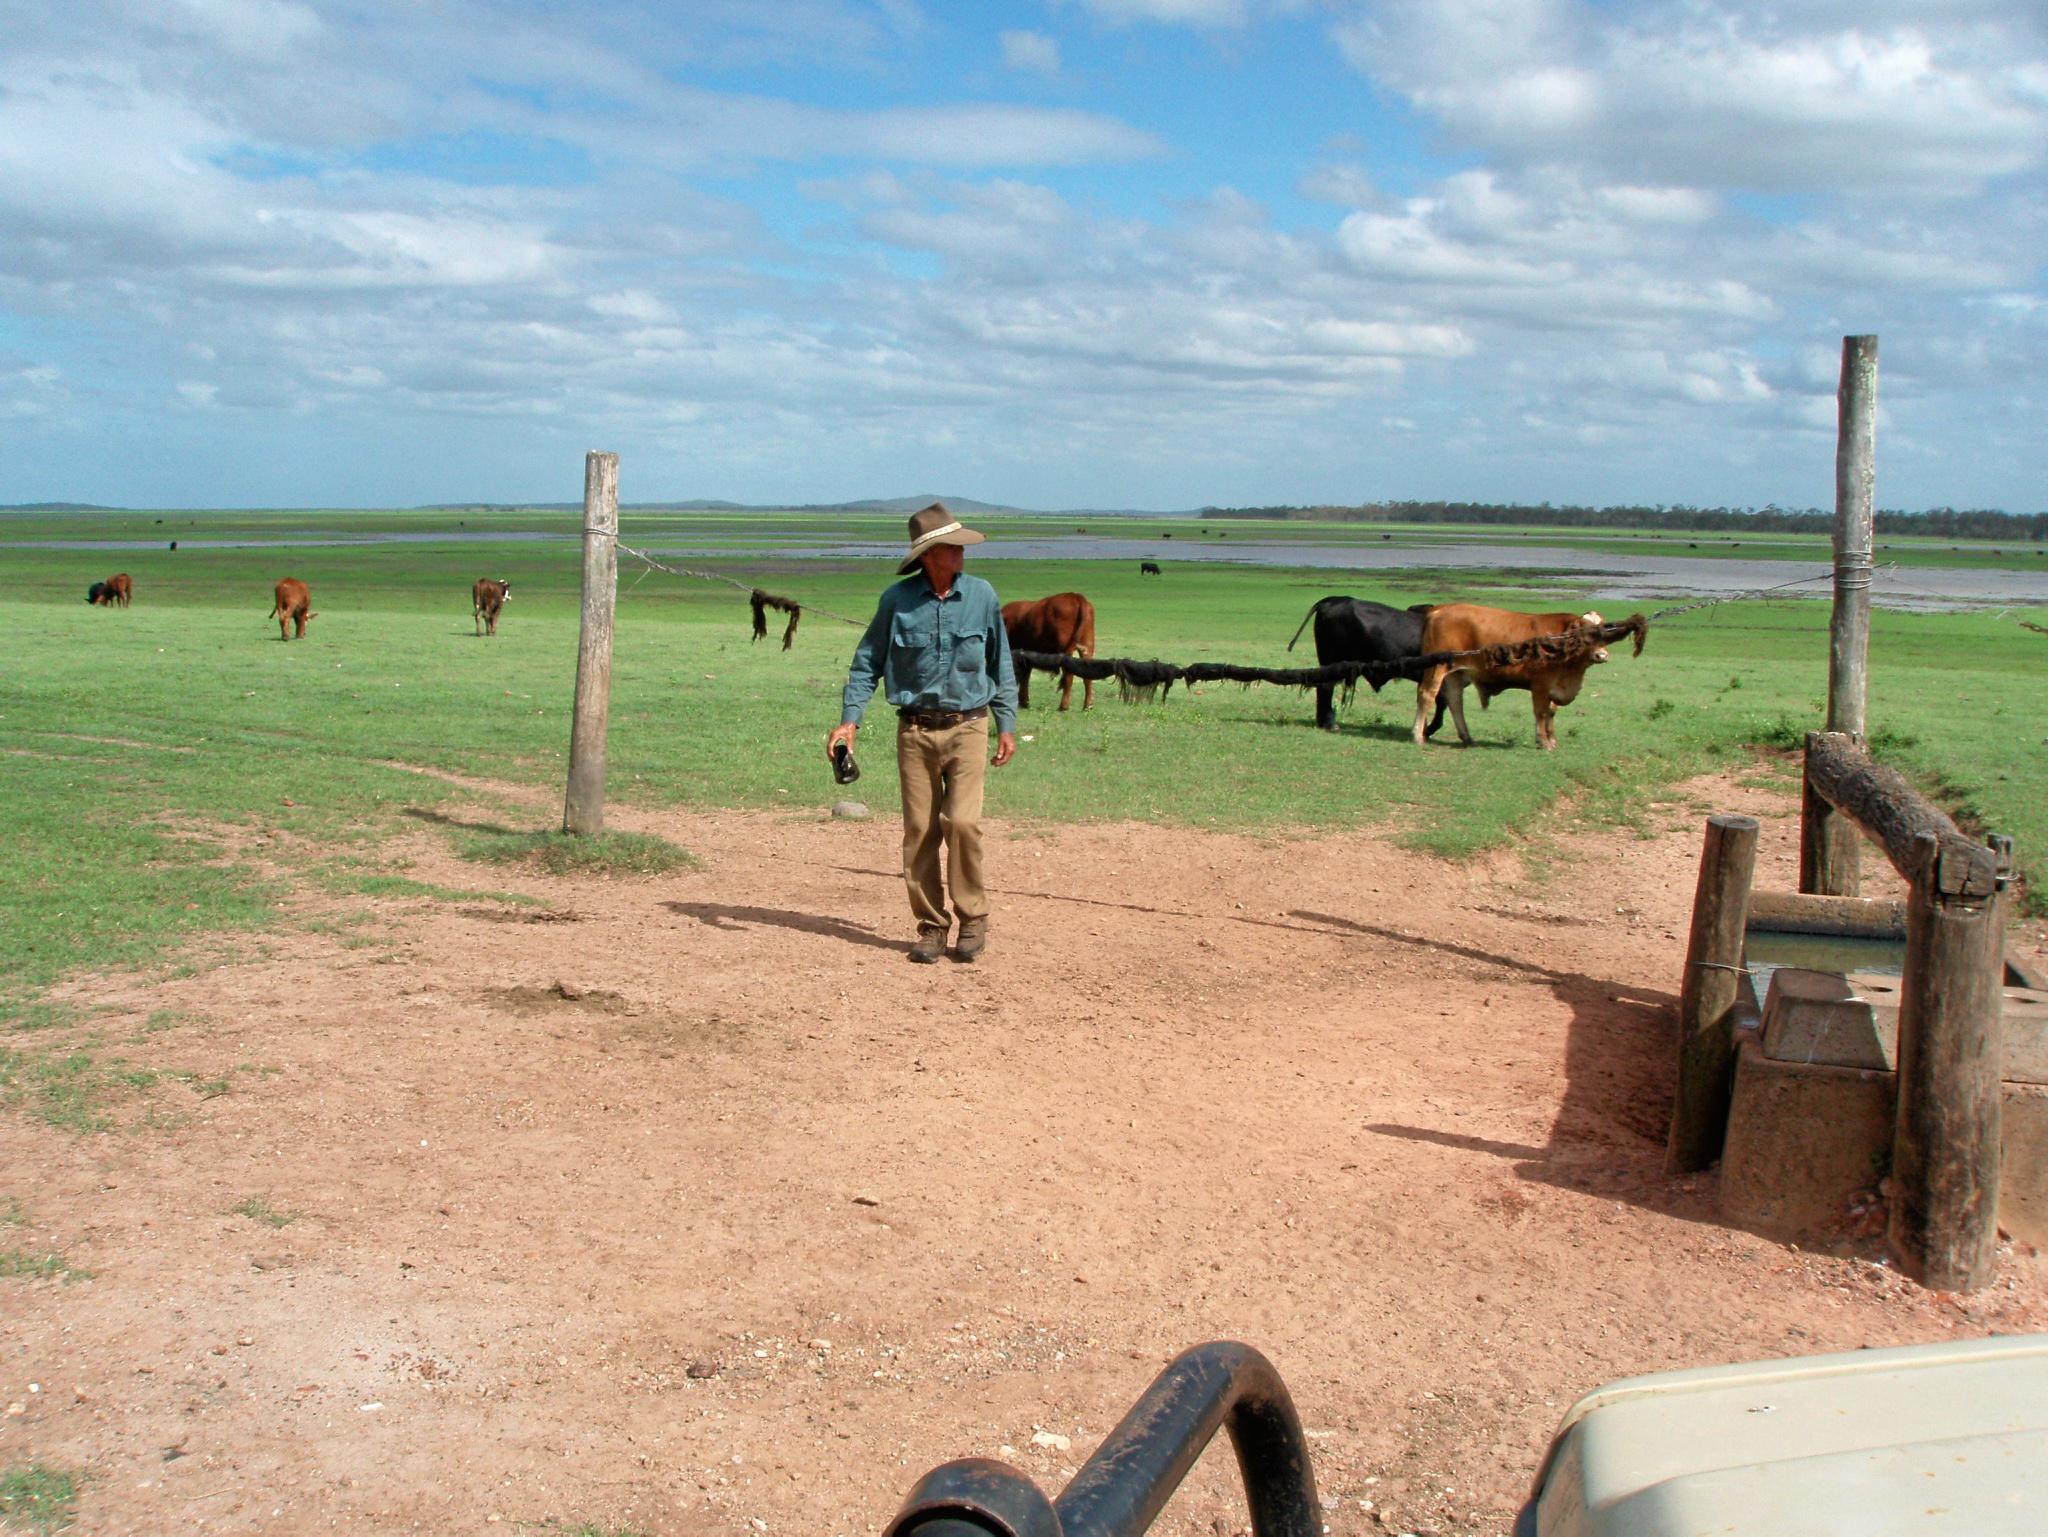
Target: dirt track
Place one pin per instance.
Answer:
(687, 1206)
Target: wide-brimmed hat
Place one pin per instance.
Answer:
(935, 525)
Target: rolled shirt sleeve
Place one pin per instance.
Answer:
(869, 657)
(1004, 671)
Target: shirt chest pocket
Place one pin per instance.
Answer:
(970, 655)
(915, 662)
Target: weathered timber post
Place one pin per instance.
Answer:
(1827, 846)
(1828, 855)
(1943, 1227)
(1713, 969)
(583, 810)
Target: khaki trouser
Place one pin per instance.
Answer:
(943, 772)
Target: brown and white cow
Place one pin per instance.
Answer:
(294, 605)
(1064, 624)
(1468, 627)
(486, 598)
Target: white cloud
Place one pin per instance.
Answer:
(261, 30)
(1200, 13)
(1683, 93)
(1659, 205)
(29, 389)
(1590, 264)
(1032, 52)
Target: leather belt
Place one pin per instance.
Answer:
(939, 720)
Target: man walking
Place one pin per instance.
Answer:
(937, 645)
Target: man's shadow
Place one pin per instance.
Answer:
(730, 918)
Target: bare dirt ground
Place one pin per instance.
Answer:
(685, 1205)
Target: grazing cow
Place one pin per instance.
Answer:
(120, 589)
(294, 606)
(1359, 630)
(1468, 627)
(1149, 568)
(99, 593)
(1063, 623)
(486, 598)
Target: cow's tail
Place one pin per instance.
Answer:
(1084, 633)
(273, 610)
(1313, 609)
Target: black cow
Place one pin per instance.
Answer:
(1148, 568)
(1359, 630)
(99, 593)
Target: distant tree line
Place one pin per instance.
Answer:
(1936, 522)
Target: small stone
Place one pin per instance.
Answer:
(700, 1369)
(568, 990)
(866, 1200)
(268, 1261)
(851, 811)
(1047, 1438)
(15, 1410)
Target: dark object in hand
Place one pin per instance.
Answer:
(844, 769)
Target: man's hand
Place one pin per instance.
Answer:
(840, 734)
(1006, 747)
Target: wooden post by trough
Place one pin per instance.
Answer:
(583, 808)
(1827, 843)
(1713, 973)
(1946, 1137)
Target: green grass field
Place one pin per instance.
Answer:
(134, 738)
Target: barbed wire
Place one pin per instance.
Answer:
(1760, 592)
(1123, 668)
(714, 576)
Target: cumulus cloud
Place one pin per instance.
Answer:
(1720, 96)
(1200, 13)
(1032, 52)
(386, 218)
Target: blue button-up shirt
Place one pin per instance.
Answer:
(934, 653)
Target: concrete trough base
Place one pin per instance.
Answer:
(1804, 1138)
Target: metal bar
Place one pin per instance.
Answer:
(975, 1497)
(1123, 1487)
(1141, 1462)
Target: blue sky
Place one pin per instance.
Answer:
(1073, 253)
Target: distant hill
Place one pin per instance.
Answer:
(58, 507)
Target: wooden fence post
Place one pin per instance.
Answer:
(583, 809)
(1713, 963)
(1828, 855)
(1855, 487)
(1828, 851)
(1943, 1226)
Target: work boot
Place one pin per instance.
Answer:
(973, 938)
(931, 944)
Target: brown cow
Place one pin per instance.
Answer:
(1468, 627)
(119, 589)
(1063, 623)
(294, 606)
(486, 598)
